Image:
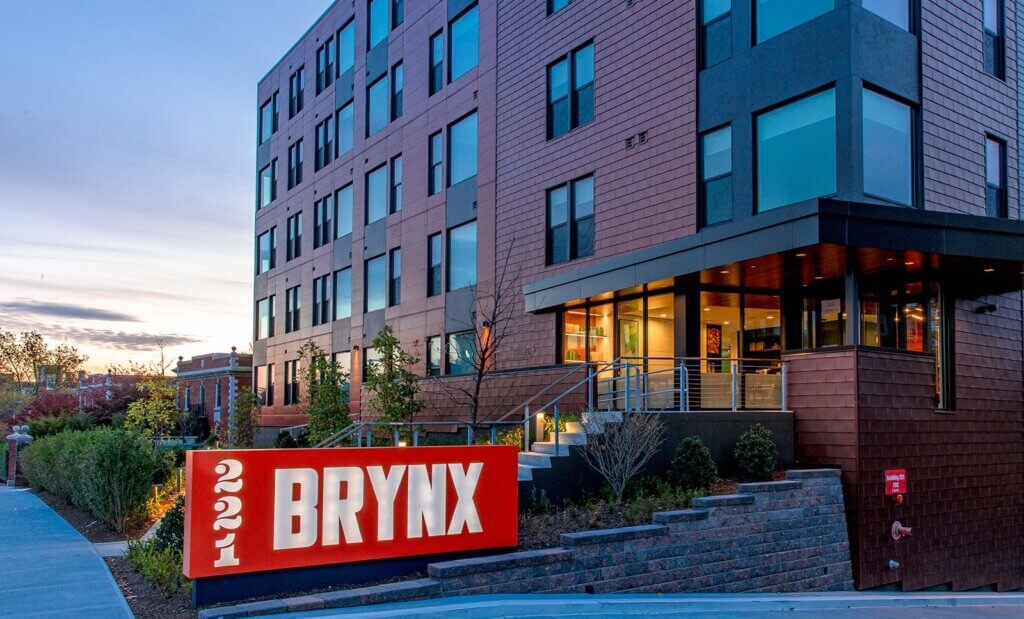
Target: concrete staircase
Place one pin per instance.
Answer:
(541, 452)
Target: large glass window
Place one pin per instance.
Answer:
(265, 314)
(343, 211)
(268, 118)
(268, 185)
(571, 91)
(716, 175)
(465, 44)
(377, 106)
(462, 256)
(570, 232)
(777, 16)
(342, 294)
(716, 31)
(992, 17)
(346, 129)
(377, 195)
(347, 47)
(995, 177)
(436, 62)
(904, 316)
(378, 22)
(462, 150)
(796, 151)
(375, 283)
(436, 179)
(895, 11)
(434, 273)
(434, 356)
(266, 248)
(887, 149)
(461, 350)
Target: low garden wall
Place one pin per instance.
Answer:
(782, 536)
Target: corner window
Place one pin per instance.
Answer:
(462, 256)
(397, 90)
(323, 233)
(265, 314)
(296, 91)
(268, 118)
(377, 106)
(377, 16)
(347, 47)
(992, 17)
(995, 177)
(434, 265)
(461, 350)
(434, 356)
(887, 149)
(346, 129)
(321, 300)
(292, 308)
(571, 91)
(343, 294)
(343, 211)
(395, 277)
(268, 185)
(293, 247)
(570, 232)
(436, 62)
(462, 150)
(777, 16)
(716, 31)
(436, 179)
(375, 284)
(894, 11)
(377, 194)
(555, 6)
(716, 176)
(295, 158)
(796, 151)
(396, 184)
(465, 44)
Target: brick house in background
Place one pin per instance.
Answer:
(208, 384)
(96, 389)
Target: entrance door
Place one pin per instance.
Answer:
(719, 348)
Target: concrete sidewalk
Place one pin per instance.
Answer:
(47, 569)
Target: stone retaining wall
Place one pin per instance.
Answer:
(783, 536)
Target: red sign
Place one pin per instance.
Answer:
(896, 481)
(269, 509)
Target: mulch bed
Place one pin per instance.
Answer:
(94, 530)
(144, 598)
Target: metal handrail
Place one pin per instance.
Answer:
(529, 401)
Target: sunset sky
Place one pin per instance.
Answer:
(127, 156)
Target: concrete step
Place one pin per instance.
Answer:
(599, 417)
(574, 427)
(526, 472)
(535, 459)
(548, 448)
(569, 438)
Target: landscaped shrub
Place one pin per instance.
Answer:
(54, 404)
(692, 466)
(160, 566)
(285, 440)
(171, 532)
(50, 425)
(756, 454)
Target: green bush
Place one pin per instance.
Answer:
(108, 472)
(171, 532)
(285, 440)
(50, 425)
(160, 566)
(692, 467)
(756, 454)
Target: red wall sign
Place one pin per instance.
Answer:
(269, 509)
(896, 481)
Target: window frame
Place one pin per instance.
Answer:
(322, 300)
(448, 252)
(449, 348)
(340, 34)
(272, 103)
(381, 82)
(350, 191)
(572, 221)
(450, 44)
(338, 289)
(552, 9)
(757, 15)
(397, 90)
(292, 309)
(996, 39)
(431, 368)
(435, 164)
(271, 310)
(383, 169)
(272, 166)
(293, 237)
(370, 22)
(383, 258)
(915, 146)
(323, 226)
(431, 251)
(297, 91)
(395, 184)
(1003, 206)
(394, 296)
(296, 158)
(435, 83)
(702, 185)
(451, 153)
(572, 93)
(348, 113)
(702, 40)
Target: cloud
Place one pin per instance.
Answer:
(102, 338)
(64, 310)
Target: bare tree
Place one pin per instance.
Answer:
(619, 451)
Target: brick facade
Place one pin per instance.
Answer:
(200, 378)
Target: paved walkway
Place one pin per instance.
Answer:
(47, 569)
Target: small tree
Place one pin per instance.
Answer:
(156, 413)
(619, 451)
(756, 454)
(393, 386)
(692, 466)
(327, 409)
(244, 419)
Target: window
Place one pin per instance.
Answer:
(377, 25)
(462, 256)
(371, 359)
(346, 128)
(325, 56)
(268, 118)
(895, 11)
(396, 184)
(266, 251)
(397, 90)
(570, 220)
(436, 62)
(265, 384)
(395, 277)
(465, 44)
(266, 313)
(995, 177)
(397, 13)
(571, 105)
(343, 361)
(322, 231)
(347, 47)
(462, 150)
(293, 247)
(555, 6)
(321, 300)
(434, 265)
(267, 189)
(716, 31)
(291, 382)
(434, 356)
(796, 151)
(377, 194)
(295, 157)
(343, 211)
(777, 16)
(992, 16)
(292, 308)
(343, 294)
(436, 170)
(375, 284)
(216, 395)
(887, 149)
(716, 176)
(324, 135)
(297, 91)
(461, 350)
(377, 106)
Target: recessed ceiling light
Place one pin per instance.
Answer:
(753, 266)
(889, 259)
(818, 277)
(909, 263)
(724, 272)
(726, 322)
(770, 317)
(707, 309)
(801, 255)
(990, 270)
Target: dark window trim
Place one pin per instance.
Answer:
(702, 207)
(1004, 207)
(916, 147)
(448, 253)
(570, 58)
(448, 42)
(447, 145)
(366, 194)
(430, 265)
(431, 65)
(571, 218)
(702, 38)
